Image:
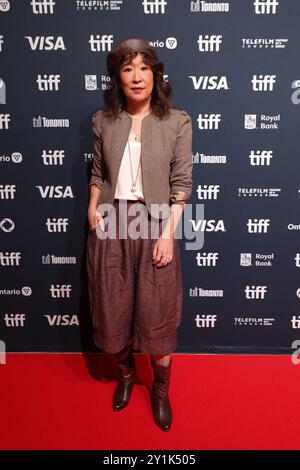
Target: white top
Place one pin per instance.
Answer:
(124, 181)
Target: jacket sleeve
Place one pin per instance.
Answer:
(97, 172)
(181, 164)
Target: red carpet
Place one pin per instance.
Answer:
(63, 401)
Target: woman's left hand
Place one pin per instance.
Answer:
(162, 252)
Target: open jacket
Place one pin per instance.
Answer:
(166, 156)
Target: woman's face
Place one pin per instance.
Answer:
(136, 80)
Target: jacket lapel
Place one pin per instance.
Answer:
(123, 126)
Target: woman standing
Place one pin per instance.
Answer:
(142, 161)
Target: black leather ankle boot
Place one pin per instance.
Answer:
(126, 378)
(160, 402)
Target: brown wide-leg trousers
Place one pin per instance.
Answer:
(129, 297)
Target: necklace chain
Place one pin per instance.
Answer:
(133, 187)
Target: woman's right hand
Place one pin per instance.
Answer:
(94, 219)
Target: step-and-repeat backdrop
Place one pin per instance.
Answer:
(234, 67)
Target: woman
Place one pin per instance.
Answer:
(142, 160)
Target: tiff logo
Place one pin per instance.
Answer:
(48, 82)
(10, 258)
(208, 121)
(208, 191)
(60, 290)
(207, 259)
(209, 43)
(297, 260)
(154, 6)
(42, 7)
(295, 321)
(4, 120)
(14, 320)
(265, 7)
(258, 225)
(255, 292)
(205, 321)
(263, 82)
(7, 191)
(57, 225)
(261, 158)
(100, 43)
(54, 157)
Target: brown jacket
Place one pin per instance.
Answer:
(166, 156)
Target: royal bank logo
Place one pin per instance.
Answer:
(43, 7)
(246, 259)
(206, 82)
(250, 121)
(90, 82)
(260, 260)
(262, 122)
(210, 43)
(200, 6)
(264, 43)
(154, 7)
(265, 7)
